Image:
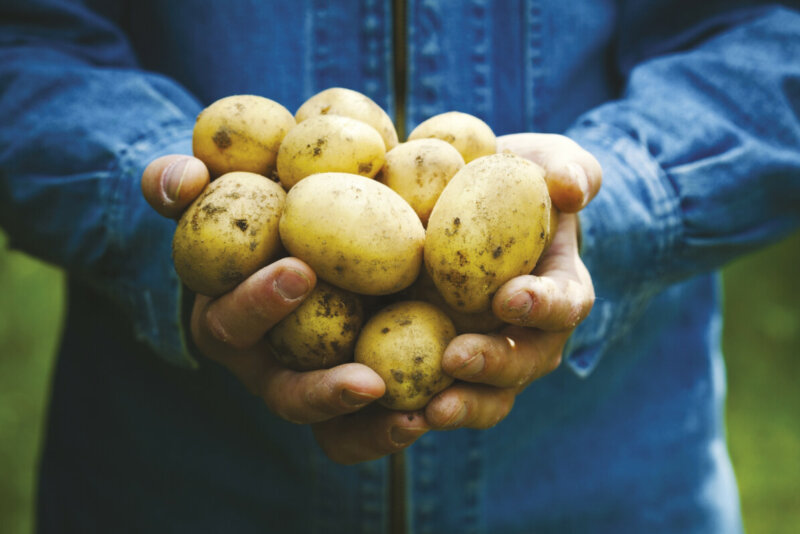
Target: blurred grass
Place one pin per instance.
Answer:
(762, 344)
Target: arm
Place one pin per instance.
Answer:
(80, 122)
(702, 159)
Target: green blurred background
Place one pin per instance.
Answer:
(762, 342)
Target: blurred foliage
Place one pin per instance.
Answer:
(762, 338)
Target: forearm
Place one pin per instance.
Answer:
(79, 127)
(701, 164)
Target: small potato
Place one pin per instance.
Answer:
(489, 225)
(349, 103)
(471, 136)
(404, 344)
(354, 232)
(330, 143)
(418, 170)
(321, 332)
(241, 133)
(228, 233)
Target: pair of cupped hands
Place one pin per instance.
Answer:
(541, 309)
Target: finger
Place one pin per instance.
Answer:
(573, 175)
(512, 358)
(469, 406)
(369, 434)
(241, 317)
(170, 183)
(559, 295)
(300, 397)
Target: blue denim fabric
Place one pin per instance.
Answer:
(691, 107)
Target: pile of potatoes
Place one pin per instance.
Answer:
(409, 240)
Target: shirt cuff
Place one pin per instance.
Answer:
(149, 287)
(627, 232)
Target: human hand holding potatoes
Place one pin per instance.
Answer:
(542, 308)
(230, 330)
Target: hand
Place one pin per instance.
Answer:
(230, 331)
(543, 308)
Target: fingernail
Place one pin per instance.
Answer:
(173, 178)
(471, 367)
(457, 417)
(578, 175)
(402, 436)
(519, 304)
(355, 399)
(291, 284)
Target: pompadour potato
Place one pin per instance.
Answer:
(354, 232)
(228, 233)
(418, 170)
(321, 332)
(349, 103)
(330, 143)
(404, 344)
(472, 137)
(489, 225)
(241, 133)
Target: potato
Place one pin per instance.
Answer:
(321, 332)
(404, 344)
(330, 143)
(349, 103)
(481, 322)
(228, 233)
(471, 136)
(418, 170)
(489, 225)
(354, 232)
(241, 133)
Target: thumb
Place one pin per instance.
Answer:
(170, 183)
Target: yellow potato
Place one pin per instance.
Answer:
(404, 344)
(354, 232)
(228, 233)
(241, 133)
(330, 143)
(471, 136)
(489, 225)
(349, 103)
(418, 170)
(321, 332)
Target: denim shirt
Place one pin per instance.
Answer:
(691, 108)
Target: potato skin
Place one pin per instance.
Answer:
(404, 344)
(489, 225)
(354, 232)
(241, 133)
(329, 143)
(472, 137)
(419, 170)
(349, 103)
(228, 233)
(321, 332)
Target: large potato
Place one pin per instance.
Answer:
(228, 233)
(349, 103)
(489, 225)
(321, 332)
(418, 170)
(404, 344)
(354, 232)
(241, 133)
(330, 143)
(472, 137)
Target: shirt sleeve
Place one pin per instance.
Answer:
(701, 161)
(80, 123)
